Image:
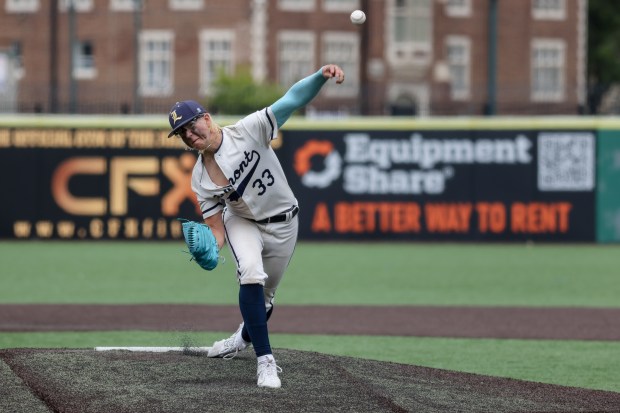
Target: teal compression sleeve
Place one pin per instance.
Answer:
(298, 96)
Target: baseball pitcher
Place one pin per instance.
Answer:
(246, 202)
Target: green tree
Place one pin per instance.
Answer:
(239, 94)
(603, 49)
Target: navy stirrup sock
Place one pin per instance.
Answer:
(252, 305)
(244, 331)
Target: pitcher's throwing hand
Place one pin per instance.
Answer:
(333, 71)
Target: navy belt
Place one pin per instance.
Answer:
(281, 217)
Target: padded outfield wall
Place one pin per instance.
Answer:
(495, 179)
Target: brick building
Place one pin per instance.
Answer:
(411, 57)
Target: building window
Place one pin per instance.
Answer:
(216, 55)
(156, 56)
(186, 4)
(458, 57)
(8, 83)
(21, 6)
(343, 49)
(16, 55)
(458, 8)
(295, 56)
(296, 5)
(84, 60)
(548, 66)
(341, 5)
(126, 5)
(549, 9)
(410, 31)
(78, 5)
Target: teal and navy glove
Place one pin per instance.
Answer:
(201, 243)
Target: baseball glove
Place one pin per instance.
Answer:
(201, 243)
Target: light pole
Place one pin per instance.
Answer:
(137, 27)
(53, 56)
(72, 43)
(364, 92)
(492, 59)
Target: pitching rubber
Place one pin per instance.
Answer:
(157, 349)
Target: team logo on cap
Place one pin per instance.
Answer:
(174, 116)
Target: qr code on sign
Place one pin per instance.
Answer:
(565, 161)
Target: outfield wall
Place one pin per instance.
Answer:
(496, 179)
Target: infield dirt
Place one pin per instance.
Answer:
(82, 381)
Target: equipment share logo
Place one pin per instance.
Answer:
(331, 159)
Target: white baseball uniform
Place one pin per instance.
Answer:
(259, 210)
(257, 192)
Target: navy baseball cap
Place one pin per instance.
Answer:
(182, 113)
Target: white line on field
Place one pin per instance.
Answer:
(156, 349)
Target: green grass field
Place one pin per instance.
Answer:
(343, 274)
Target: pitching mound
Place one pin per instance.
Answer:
(39, 380)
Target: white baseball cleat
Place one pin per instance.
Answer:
(233, 344)
(267, 372)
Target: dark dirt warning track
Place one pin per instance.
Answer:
(464, 322)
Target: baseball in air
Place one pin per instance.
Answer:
(358, 17)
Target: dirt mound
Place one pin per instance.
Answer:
(120, 381)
